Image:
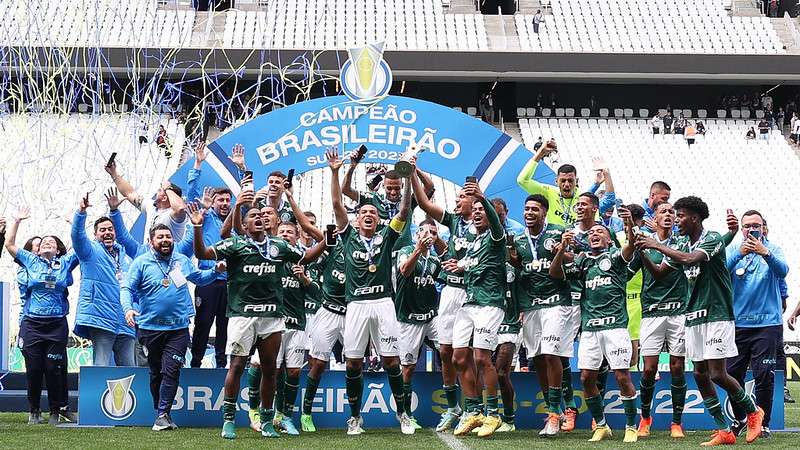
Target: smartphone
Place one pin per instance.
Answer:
(289, 179)
(249, 185)
(471, 179)
(754, 234)
(376, 180)
(111, 159)
(362, 151)
(330, 235)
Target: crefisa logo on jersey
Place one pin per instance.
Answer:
(366, 77)
(118, 400)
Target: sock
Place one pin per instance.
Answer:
(311, 391)
(408, 392)
(254, 387)
(714, 408)
(595, 405)
(741, 398)
(396, 385)
(354, 383)
(602, 380)
(451, 393)
(678, 388)
(554, 397)
(279, 390)
(290, 395)
(491, 405)
(266, 415)
(566, 385)
(229, 409)
(629, 404)
(473, 405)
(508, 412)
(647, 387)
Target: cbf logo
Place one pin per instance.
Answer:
(118, 400)
(366, 77)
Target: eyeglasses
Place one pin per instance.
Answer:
(752, 226)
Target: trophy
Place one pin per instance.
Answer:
(403, 166)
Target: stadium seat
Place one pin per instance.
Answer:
(644, 113)
(721, 113)
(586, 112)
(603, 112)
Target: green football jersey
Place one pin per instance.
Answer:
(361, 254)
(312, 298)
(387, 210)
(711, 298)
(255, 271)
(416, 300)
(604, 277)
(284, 210)
(511, 323)
(534, 286)
(462, 233)
(665, 297)
(485, 271)
(333, 279)
(294, 305)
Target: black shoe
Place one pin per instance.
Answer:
(172, 424)
(161, 423)
(787, 397)
(35, 418)
(737, 427)
(765, 433)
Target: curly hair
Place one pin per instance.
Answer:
(694, 205)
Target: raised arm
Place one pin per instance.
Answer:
(125, 188)
(302, 219)
(192, 188)
(525, 178)
(407, 267)
(11, 236)
(2, 234)
(556, 270)
(608, 200)
(245, 199)
(495, 226)
(200, 277)
(427, 205)
(630, 241)
(80, 241)
(347, 185)
(427, 182)
(339, 211)
(405, 203)
(197, 215)
(313, 253)
(176, 203)
(123, 235)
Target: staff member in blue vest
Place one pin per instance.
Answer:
(756, 266)
(43, 330)
(157, 302)
(99, 317)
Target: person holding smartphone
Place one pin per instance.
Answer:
(756, 266)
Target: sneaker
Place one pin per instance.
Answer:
(468, 422)
(506, 427)
(268, 431)
(172, 424)
(765, 433)
(414, 422)
(490, 424)
(644, 427)
(721, 437)
(569, 420)
(449, 420)
(255, 420)
(631, 434)
(161, 423)
(787, 396)
(754, 422)
(35, 418)
(288, 426)
(61, 416)
(406, 427)
(277, 419)
(551, 426)
(676, 431)
(601, 433)
(354, 426)
(307, 424)
(228, 430)
(737, 427)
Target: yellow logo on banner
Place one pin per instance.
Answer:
(118, 400)
(366, 77)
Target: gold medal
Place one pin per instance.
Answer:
(165, 282)
(740, 271)
(372, 268)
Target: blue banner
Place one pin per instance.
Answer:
(121, 396)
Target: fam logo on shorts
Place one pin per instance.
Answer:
(366, 77)
(118, 400)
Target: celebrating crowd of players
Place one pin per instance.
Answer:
(283, 292)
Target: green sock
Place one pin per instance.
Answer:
(646, 388)
(395, 375)
(279, 390)
(408, 393)
(602, 380)
(741, 398)
(254, 387)
(451, 393)
(554, 397)
(473, 404)
(290, 395)
(595, 405)
(714, 408)
(629, 404)
(491, 405)
(566, 385)
(266, 415)
(354, 383)
(678, 388)
(508, 412)
(311, 391)
(229, 409)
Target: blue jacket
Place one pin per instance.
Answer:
(46, 298)
(757, 293)
(514, 227)
(98, 301)
(160, 307)
(212, 224)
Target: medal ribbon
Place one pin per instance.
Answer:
(158, 263)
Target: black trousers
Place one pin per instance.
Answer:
(44, 346)
(211, 302)
(165, 352)
(757, 350)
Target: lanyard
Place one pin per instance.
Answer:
(534, 242)
(391, 208)
(160, 267)
(264, 252)
(114, 257)
(692, 247)
(566, 211)
(369, 244)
